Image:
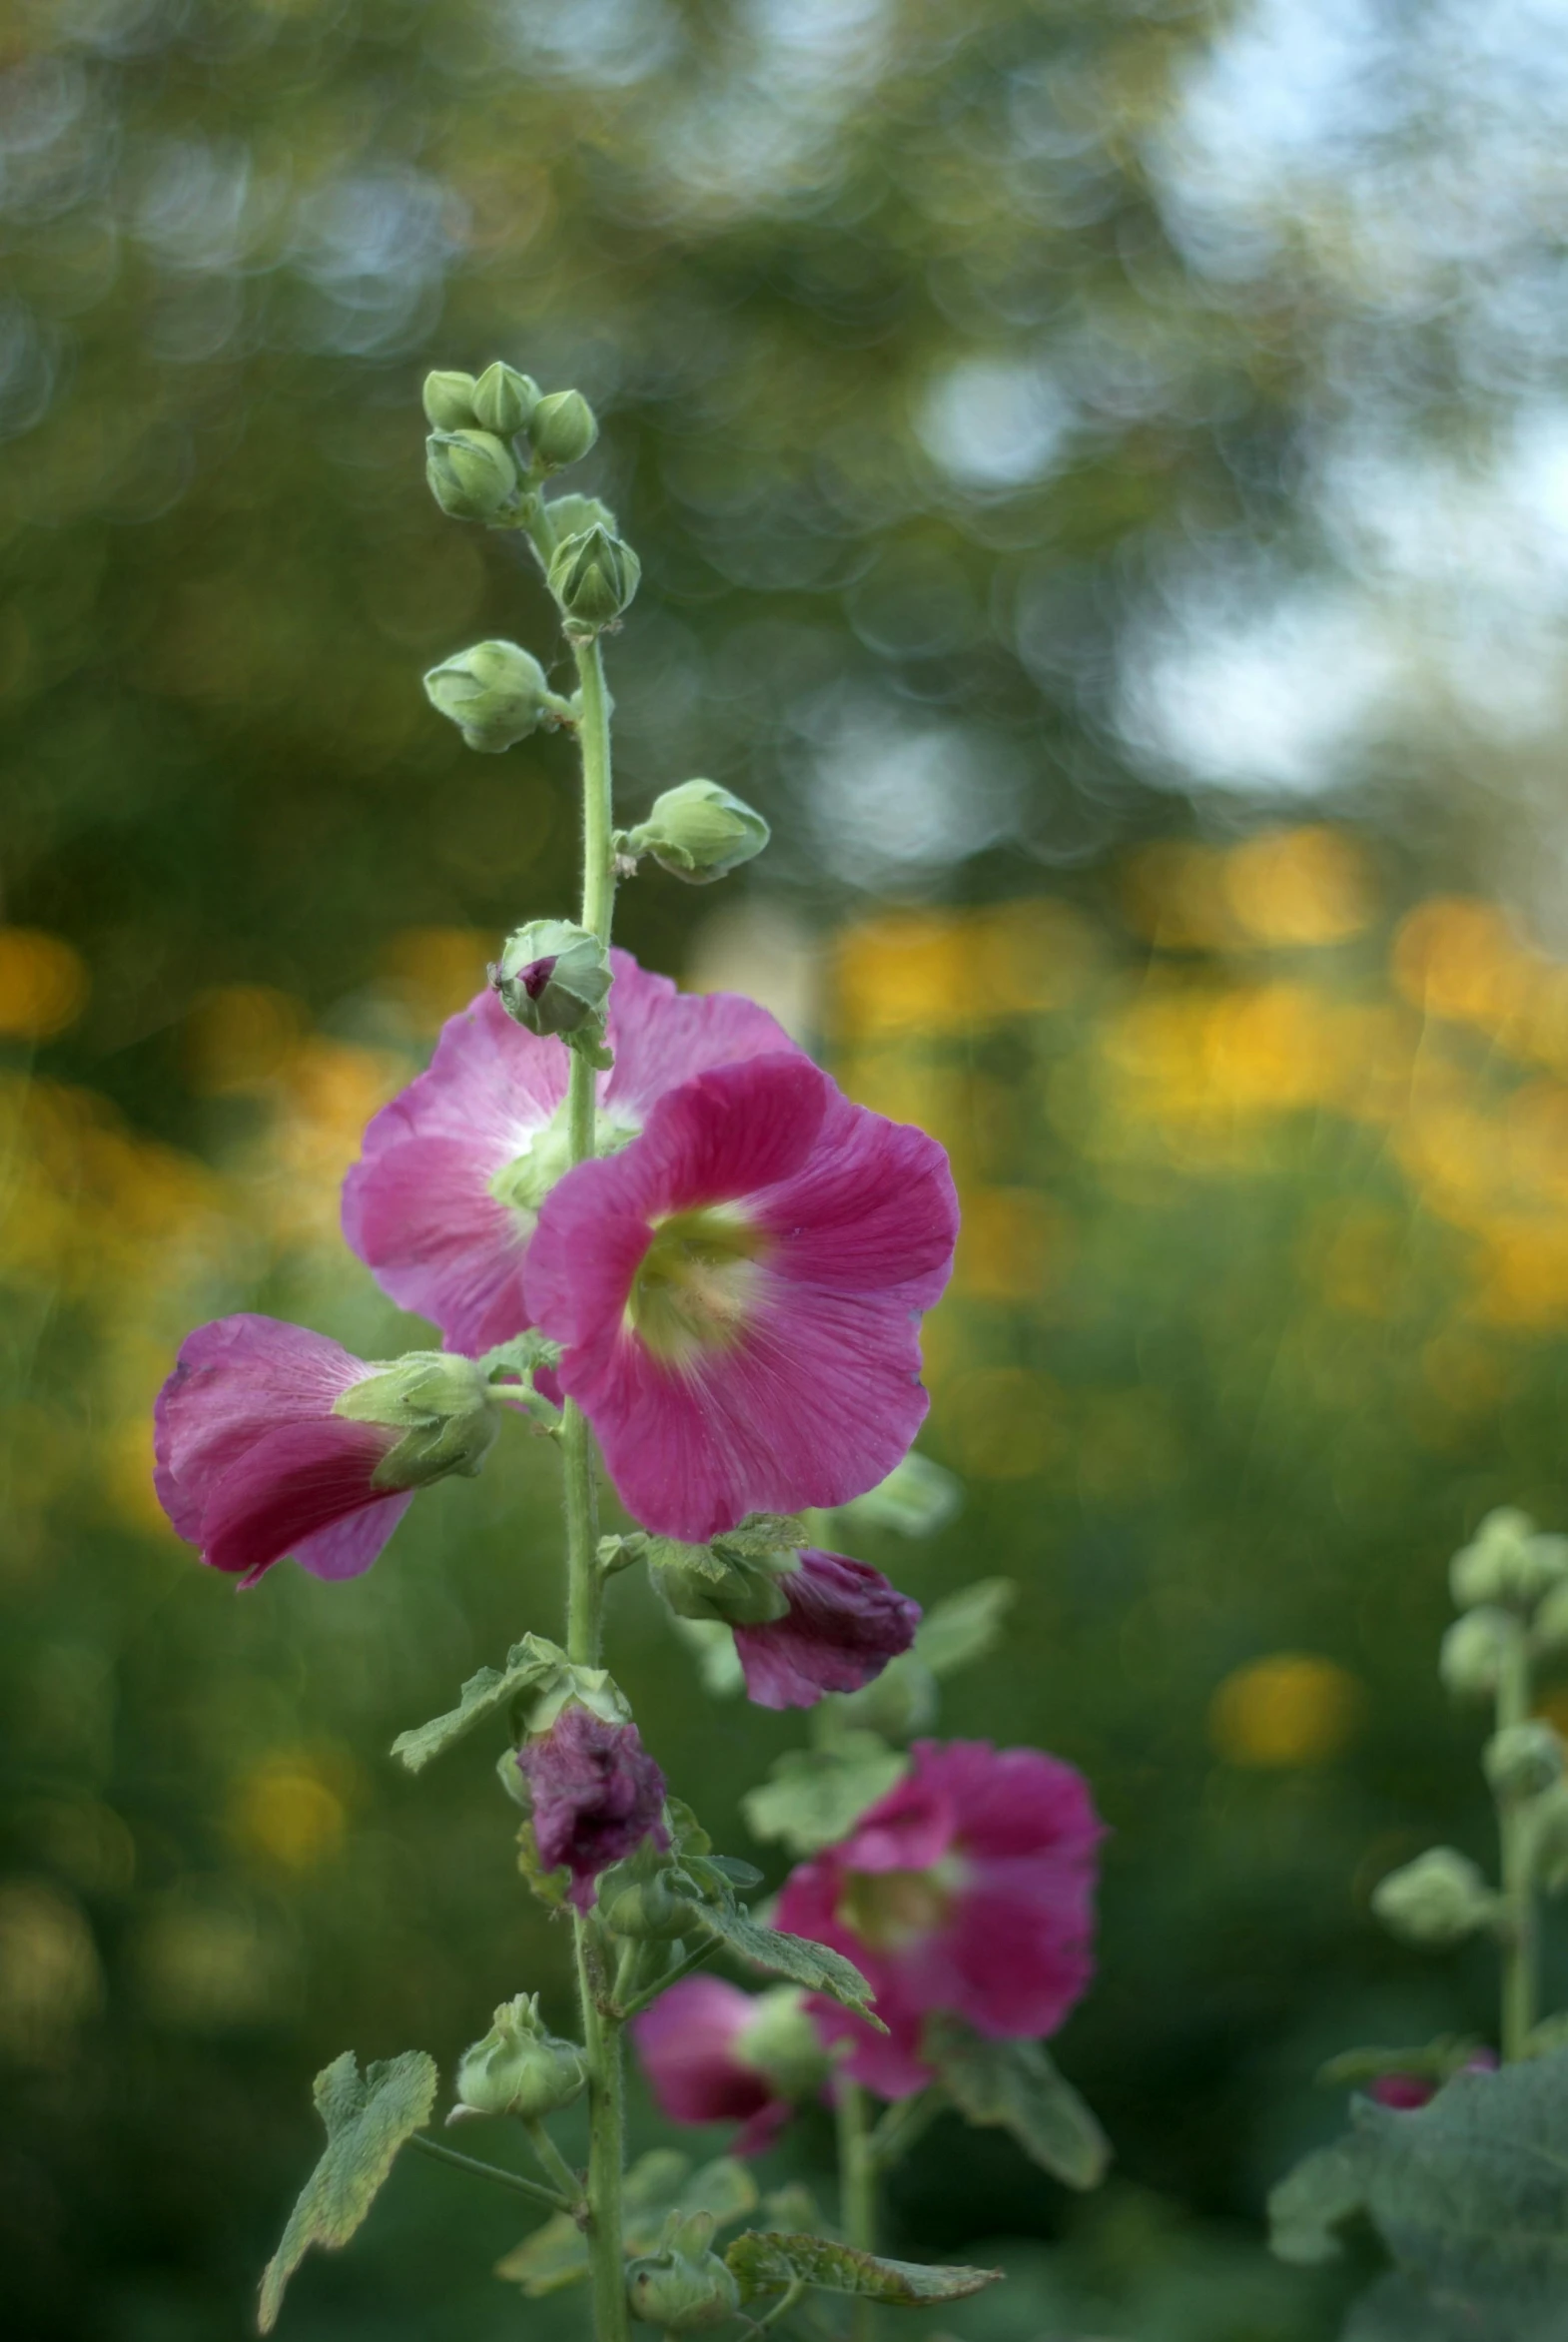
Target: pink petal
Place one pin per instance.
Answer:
(348, 1547)
(233, 1380)
(662, 1037)
(842, 1625)
(686, 2042)
(290, 1483)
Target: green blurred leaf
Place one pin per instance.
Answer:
(807, 1964)
(1433, 2061)
(1015, 2086)
(965, 1626)
(557, 2254)
(765, 2263)
(814, 1797)
(493, 1688)
(366, 2123)
(1311, 2202)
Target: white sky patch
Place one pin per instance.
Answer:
(895, 801)
(994, 422)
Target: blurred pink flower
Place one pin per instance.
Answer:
(967, 1889)
(842, 1625)
(737, 1293)
(445, 1197)
(597, 1795)
(1405, 2092)
(691, 2046)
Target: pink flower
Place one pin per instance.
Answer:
(842, 1625)
(737, 1294)
(1405, 2092)
(444, 1197)
(692, 2044)
(597, 1795)
(254, 1463)
(968, 1888)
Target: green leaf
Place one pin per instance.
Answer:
(1308, 2206)
(1433, 2061)
(484, 1693)
(814, 1797)
(804, 1963)
(366, 2123)
(557, 2254)
(763, 2261)
(1014, 2086)
(917, 1498)
(1396, 2310)
(965, 1626)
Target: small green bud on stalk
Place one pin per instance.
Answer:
(1507, 1561)
(562, 427)
(1438, 1900)
(1522, 1760)
(519, 2068)
(503, 399)
(643, 1897)
(574, 516)
(441, 1404)
(703, 1581)
(683, 2287)
(495, 693)
(472, 475)
(449, 401)
(593, 577)
(553, 978)
(1475, 1650)
(700, 832)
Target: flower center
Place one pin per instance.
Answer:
(890, 1909)
(696, 1282)
(523, 1183)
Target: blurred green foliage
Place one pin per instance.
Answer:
(927, 354)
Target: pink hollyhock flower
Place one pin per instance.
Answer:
(967, 1889)
(1405, 2092)
(844, 1623)
(254, 1460)
(597, 1795)
(737, 1294)
(444, 1197)
(694, 2043)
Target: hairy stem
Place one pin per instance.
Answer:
(1519, 1935)
(606, 2145)
(502, 2179)
(857, 2191)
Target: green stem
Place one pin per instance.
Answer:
(511, 2179)
(606, 2145)
(553, 2161)
(857, 2191)
(671, 1976)
(901, 2125)
(1518, 1933)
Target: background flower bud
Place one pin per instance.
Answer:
(684, 2286)
(1474, 1649)
(1439, 1898)
(780, 2041)
(449, 401)
(494, 693)
(472, 475)
(553, 978)
(562, 427)
(593, 577)
(1523, 1760)
(700, 832)
(519, 2068)
(1507, 1560)
(503, 399)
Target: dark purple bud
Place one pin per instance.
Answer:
(843, 1624)
(597, 1795)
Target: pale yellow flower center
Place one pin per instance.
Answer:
(698, 1282)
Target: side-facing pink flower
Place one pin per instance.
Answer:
(254, 1462)
(967, 1889)
(738, 1292)
(693, 2043)
(444, 1200)
(844, 1623)
(596, 1793)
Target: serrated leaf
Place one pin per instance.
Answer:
(484, 1693)
(965, 1626)
(557, 2254)
(1309, 2205)
(814, 1797)
(366, 2123)
(1015, 2086)
(794, 1957)
(766, 2261)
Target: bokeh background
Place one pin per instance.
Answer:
(1100, 471)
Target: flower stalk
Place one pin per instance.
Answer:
(1519, 1935)
(857, 2190)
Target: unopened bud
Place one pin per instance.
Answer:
(1522, 1760)
(593, 577)
(573, 515)
(495, 693)
(643, 1898)
(503, 399)
(683, 2287)
(1475, 1650)
(553, 978)
(700, 832)
(519, 2068)
(472, 475)
(1438, 1900)
(562, 427)
(1507, 1560)
(778, 2039)
(701, 1581)
(449, 401)
(441, 1404)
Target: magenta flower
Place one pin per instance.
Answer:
(597, 1795)
(444, 1197)
(842, 1625)
(737, 1294)
(252, 1462)
(692, 2045)
(967, 1889)
(1405, 2092)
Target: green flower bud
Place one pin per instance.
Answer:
(1549, 1627)
(779, 2039)
(472, 475)
(1438, 1900)
(495, 693)
(683, 2287)
(503, 399)
(1507, 1560)
(449, 401)
(700, 832)
(593, 577)
(554, 978)
(1474, 1651)
(646, 1896)
(562, 427)
(715, 1582)
(574, 516)
(1522, 1760)
(568, 1685)
(441, 1404)
(519, 2068)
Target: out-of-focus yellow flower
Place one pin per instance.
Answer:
(1175, 896)
(1292, 1707)
(1523, 1276)
(43, 983)
(439, 970)
(938, 972)
(1458, 958)
(241, 1038)
(203, 1963)
(1009, 1245)
(285, 1809)
(1300, 885)
(1004, 1422)
(50, 1979)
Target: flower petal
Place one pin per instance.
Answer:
(232, 1381)
(844, 1623)
(294, 1480)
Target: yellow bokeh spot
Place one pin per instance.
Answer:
(1004, 1422)
(946, 972)
(285, 1811)
(1292, 1707)
(1175, 897)
(1302, 886)
(1011, 1245)
(43, 983)
(1458, 958)
(50, 1977)
(241, 1038)
(439, 970)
